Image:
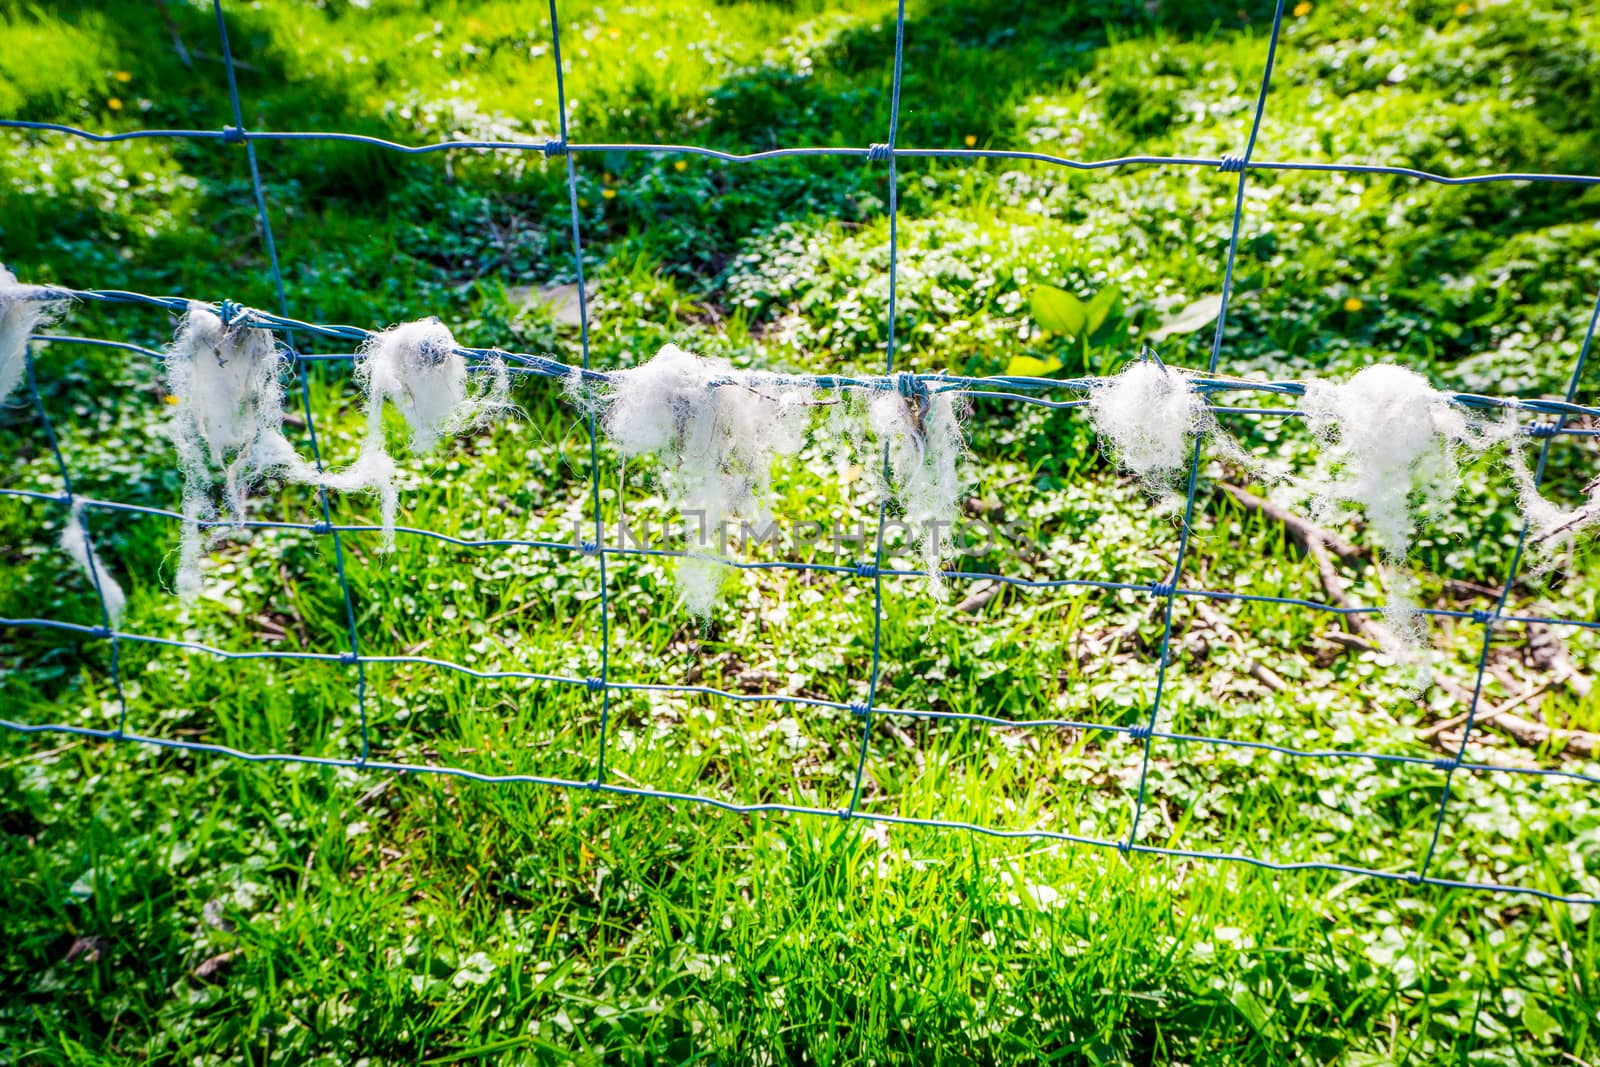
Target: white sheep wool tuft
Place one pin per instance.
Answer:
(21, 314)
(417, 367)
(924, 446)
(1148, 415)
(75, 543)
(1550, 527)
(1389, 436)
(715, 431)
(226, 381)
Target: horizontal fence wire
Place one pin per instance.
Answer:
(1555, 419)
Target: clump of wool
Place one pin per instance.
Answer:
(21, 315)
(715, 432)
(924, 447)
(75, 543)
(418, 368)
(1148, 417)
(1550, 527)
(1391, 439)
(226, 381)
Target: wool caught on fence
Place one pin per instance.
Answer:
(1549, 526)
(417, 367)
(1390, 436)
(226, 378)
(924, 443)
(1148, 417)
(715, 432)
(75, 543)
(21, 314)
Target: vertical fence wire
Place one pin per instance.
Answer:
(1169, 589)
(597, 546)
(271, 245)
(91, 557)
(888, 369)
(1494, 617)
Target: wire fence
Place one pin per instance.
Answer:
(1555, 421)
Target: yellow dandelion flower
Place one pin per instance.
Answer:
(971, 139)
(1352, 303)
(1463, 9)
(125, 77)
(613, 33)
(609, 194)
(170, 399)
(114, 104)
(680, 165)
(1302, 9)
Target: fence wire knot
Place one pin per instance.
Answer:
(879, 153)
(594, 685)
(866, 570)
(555, 147)
(233, 135)
(912, 387)
(1163, 590)
(1231, 164)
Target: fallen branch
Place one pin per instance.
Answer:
(1301, 531)
(981, 598)
(1489, 716)
(1580, 743)
(1358, 623)
(1218, 625)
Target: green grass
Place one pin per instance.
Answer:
(166, 907)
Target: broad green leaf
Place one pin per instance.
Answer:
(1030, 367)
(1200, 313)
(1058, 310)
(1540, 1023)
(1103, 307)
